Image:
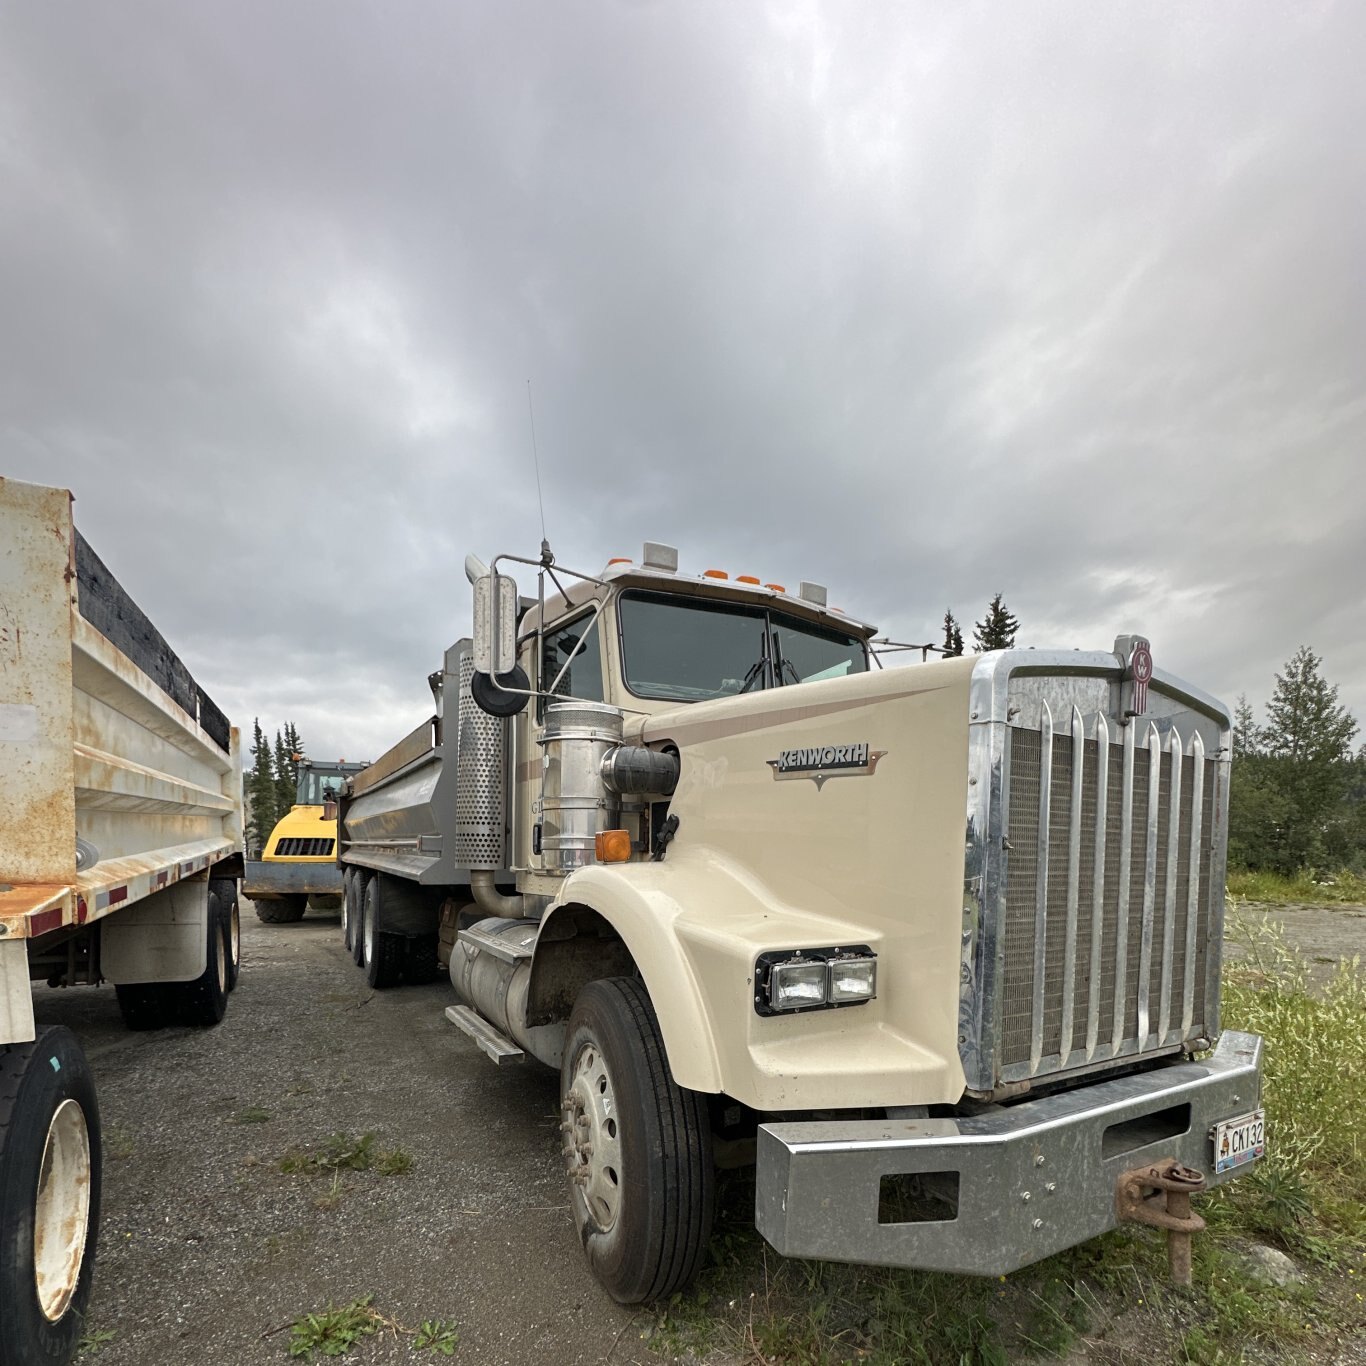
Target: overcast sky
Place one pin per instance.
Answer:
(924, 302)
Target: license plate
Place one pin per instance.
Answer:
(1241, 1140)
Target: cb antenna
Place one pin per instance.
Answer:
(546, 557)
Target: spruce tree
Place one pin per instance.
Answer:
(260, 791)
(997, 631)
(286, 778)
(1307, 740)
(953, 636)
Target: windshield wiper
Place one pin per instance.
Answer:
(755, 670)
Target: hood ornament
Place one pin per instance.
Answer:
(1136, 656)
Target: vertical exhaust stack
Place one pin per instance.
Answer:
(481, 791)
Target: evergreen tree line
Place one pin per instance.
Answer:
(271, 781)
(1298, 793)
(996, 631)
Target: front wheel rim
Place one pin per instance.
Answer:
(61, 1211)
(591, 1125)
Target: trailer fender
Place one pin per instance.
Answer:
(162, 938)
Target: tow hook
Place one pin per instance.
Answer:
(1160, 1196)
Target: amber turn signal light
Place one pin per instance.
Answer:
(612, 846)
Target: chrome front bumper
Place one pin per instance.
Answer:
(1032, 1179)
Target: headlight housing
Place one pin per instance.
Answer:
(789, 981)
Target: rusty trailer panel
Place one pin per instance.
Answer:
(95, 754)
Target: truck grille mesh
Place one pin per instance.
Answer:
(1099, 907)
(294, 847)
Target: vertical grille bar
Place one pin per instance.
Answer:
(1164, 1005)
(1069, 962)
(1126, 853)
(1041, 886)
(1193, 896)
(1145, 951)
(1098, 884)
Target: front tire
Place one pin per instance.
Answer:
(49, 1196)
(637, 1147)
(281, 910)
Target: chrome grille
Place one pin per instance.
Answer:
(1110, 892)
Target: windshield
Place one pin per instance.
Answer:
(689, 649)
(318, 785)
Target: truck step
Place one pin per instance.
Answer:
(498, 1048)
(500, 946)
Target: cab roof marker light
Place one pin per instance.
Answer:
(715, 574)
(812, 592)
(618, 559)
(776, 587)
(746, 578)
(657, 555)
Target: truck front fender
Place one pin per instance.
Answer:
(693, 927)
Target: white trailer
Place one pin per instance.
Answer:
(120, 850)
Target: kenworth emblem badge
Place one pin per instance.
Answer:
(1137, 655)
(826, 761)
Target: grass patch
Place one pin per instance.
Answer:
(94, 1340)
(347, 1152)
(253, 1114)
(1346, 889)
(334, 1331)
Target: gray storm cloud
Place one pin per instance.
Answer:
(1062, 301)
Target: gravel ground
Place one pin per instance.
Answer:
(1324, 935)
(208, 1251)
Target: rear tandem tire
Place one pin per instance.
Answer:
(350, 910)
(144, 1005)
(362, 883)
(232, 926)
(49, 1196)
(205, 1000)
(381, 954)
(281, 910)
(637, 1147)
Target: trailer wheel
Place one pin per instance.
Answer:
(49, 1196)
(361, 884)
(637, 1147)
(350, 916)
(381, 954)
(232, 926)
(204, 1001)
(281, 910)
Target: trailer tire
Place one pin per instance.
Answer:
(49, 1196)
(381, 954)
(144, 1005)
(350, 916)
(362, 885)
(637, 1147)
(232, 926)
(204, 1001)
(281, 910)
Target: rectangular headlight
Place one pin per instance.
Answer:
(852, 979)
(793, 985)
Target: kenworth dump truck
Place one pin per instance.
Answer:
(941, 942)
(120, 850)
(298, 866)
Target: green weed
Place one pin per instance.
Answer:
(335, 1331)
(253, 1114)
(94, 1340)
(436, 1335)
(347, 1152)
